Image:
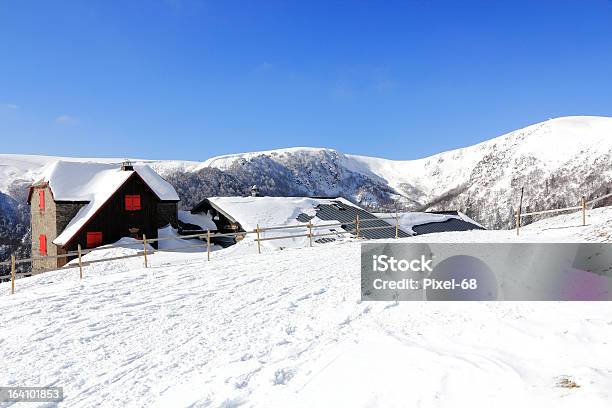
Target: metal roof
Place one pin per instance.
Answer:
(454, 224)
(338, 211)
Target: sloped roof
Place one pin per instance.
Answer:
(452, 224)
(265, 211)
(370, 226)
(83, 181)
(418, 223)
(202, 220)
(95, 183)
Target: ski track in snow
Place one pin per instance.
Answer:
(287, 328)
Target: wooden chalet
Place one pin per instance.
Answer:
(94, 204)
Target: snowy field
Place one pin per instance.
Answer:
(287, 329)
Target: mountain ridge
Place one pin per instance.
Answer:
(556, 161)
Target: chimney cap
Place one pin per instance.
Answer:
(126, 165)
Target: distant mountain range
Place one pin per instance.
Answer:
(557, 162)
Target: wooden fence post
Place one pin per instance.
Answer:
(396, 225)
(310, 232)
(80, 262)
(208, 244)
(518, 212)
(12, 274)
(583, 211)
(144, 242)
(258, 243)
(518, 221)
(357, 225)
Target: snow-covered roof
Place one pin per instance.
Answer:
(95, 183)
(83, 181)
(202, 220)
(276, 211)
(270, 211)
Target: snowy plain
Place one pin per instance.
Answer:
(287, 328)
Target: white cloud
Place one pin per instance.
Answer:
(10, 106)
(67, 120)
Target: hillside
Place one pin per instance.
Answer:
(557, 161)
(287, 328)
(571, 152)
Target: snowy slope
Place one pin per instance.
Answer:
(287, 328)
(549, 145)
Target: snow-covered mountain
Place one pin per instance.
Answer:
(557, 162)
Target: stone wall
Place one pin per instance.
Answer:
(43, 222)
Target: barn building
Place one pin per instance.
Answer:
(239, 214)
(94, 204)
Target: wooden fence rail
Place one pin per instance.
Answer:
(310, 233)
(557, 210)
(583, 206)
(596, 200)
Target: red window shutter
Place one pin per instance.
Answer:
(94, 239)
(42, 244)
(41, 199)
(132, 202)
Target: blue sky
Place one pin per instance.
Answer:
(193, 79)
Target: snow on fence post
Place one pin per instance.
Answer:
(208, 244)
(80, 262)
(12, 274)
(258, 242)
(144, 241)
(310, 232)
(583, 211)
